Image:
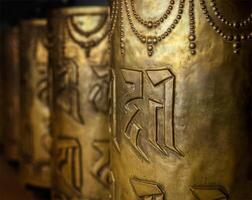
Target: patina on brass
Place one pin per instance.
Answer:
(11, 92)
(35, 138)
(180, 120)
(80, 64)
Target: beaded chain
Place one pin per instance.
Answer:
(230, 37)
(192, 34)
(89, 44)
(151, 40)
(151, 23)
(234, 24)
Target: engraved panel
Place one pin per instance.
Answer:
(147, 190)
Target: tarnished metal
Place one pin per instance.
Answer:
(80, 64)
(181, 126)
(11, 93)
(35, 138)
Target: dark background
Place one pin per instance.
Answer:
(12, 11)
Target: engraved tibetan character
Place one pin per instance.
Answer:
(68, 95)
(69, 164)
(100, 169)
(156, 87)
(147, 190)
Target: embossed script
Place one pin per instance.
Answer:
(149, 109)
(210, 193)
(147, 190)
(68, 95)
(69, 164)
(100, 169)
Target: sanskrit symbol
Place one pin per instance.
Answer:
(100, 169)
(67, 80)
(209, 193)
(98, 94)
(147, 190)
(149, 100)
(69, 164)
(42, 85)
(41, 64)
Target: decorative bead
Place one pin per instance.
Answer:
(192, 45)
(155, 40)
(150, 24)
(191, 37)
(150, 47)
(150, 53)
(149, 40)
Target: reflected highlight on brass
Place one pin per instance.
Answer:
(10, 84)
(181, 119)
(35, 138)
(80, 63)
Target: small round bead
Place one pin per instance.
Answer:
(150, 24)
(150, 47)
(191, 37)
(192, 45)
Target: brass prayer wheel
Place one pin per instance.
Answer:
(35, 138)
(80, 62)
(11, 93)
(181, 90)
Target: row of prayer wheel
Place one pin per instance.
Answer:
(147, 100)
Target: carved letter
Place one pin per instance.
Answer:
(100, 169)
(209, 193)
(69, 163)
(147, 190)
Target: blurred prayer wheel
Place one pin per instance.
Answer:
(35, 138)
(181, 91)
(79, 59)
(11, 93)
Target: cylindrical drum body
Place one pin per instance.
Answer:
(80, 64)
(35, 138)
(181, 100)
(10, 85)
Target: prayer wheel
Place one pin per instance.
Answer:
(35, 115)
(11, 93)
(181, 99)
(80, 62)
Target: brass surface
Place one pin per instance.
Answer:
(35, 138)
(11, 93)
(181, 124)
(79, 59)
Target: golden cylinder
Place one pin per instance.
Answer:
(80, 64)
(180, 91)
(35, 138)
(10, 84)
